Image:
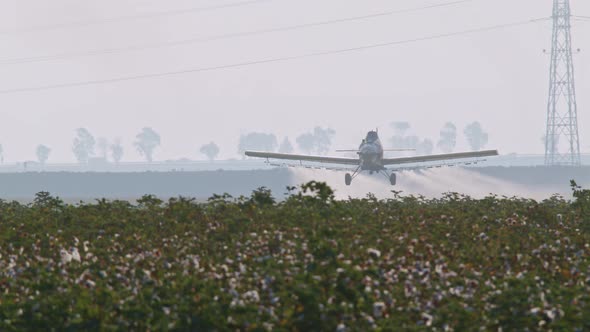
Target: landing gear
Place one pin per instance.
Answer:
(392, 179)
(348, 177)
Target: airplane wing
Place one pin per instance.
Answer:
(439, 157)
(296, 157)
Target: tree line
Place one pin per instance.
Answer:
(85, 147)
(316, 141)
(474, 133)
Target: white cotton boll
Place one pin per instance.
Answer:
(374, 252)
(428, 319)
(196, 263)
(75, 254)
(65, 256)
(551, 314)
(378, 309)
(251, 296)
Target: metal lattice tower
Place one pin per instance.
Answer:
(562, 145)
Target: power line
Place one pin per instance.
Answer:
(132, 17)
(224, 36)
(581, 17)
(271, 60)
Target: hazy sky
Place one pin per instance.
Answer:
(497, 77)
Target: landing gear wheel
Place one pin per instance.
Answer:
(392, 179)
(348, 179)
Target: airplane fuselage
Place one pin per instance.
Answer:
(371, 153)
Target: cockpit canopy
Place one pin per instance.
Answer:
(372, 137)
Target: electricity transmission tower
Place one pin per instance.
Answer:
(562, 146)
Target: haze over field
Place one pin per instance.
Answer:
(496, 77)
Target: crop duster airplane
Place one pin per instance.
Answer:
(370, 159)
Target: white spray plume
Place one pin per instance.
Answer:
(431, 183)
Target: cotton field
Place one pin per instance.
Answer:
(306, 263)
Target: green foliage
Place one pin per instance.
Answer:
(262, 197)
(306, 263)
(582, 201)
(44, 199)
(150, 202)
(320, 190)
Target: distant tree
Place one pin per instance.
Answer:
(117, 151)
(475, 135)
(43, 153)
(425, 148)
(211, 150)
(103, 147)
(399, 140)
(400, 128)
(448, 138)
(83, 146)
(257, 141)
(147, 141)
(323, 137)
(407, 142)
(306, 142)
(318, 141)
(286, 146)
